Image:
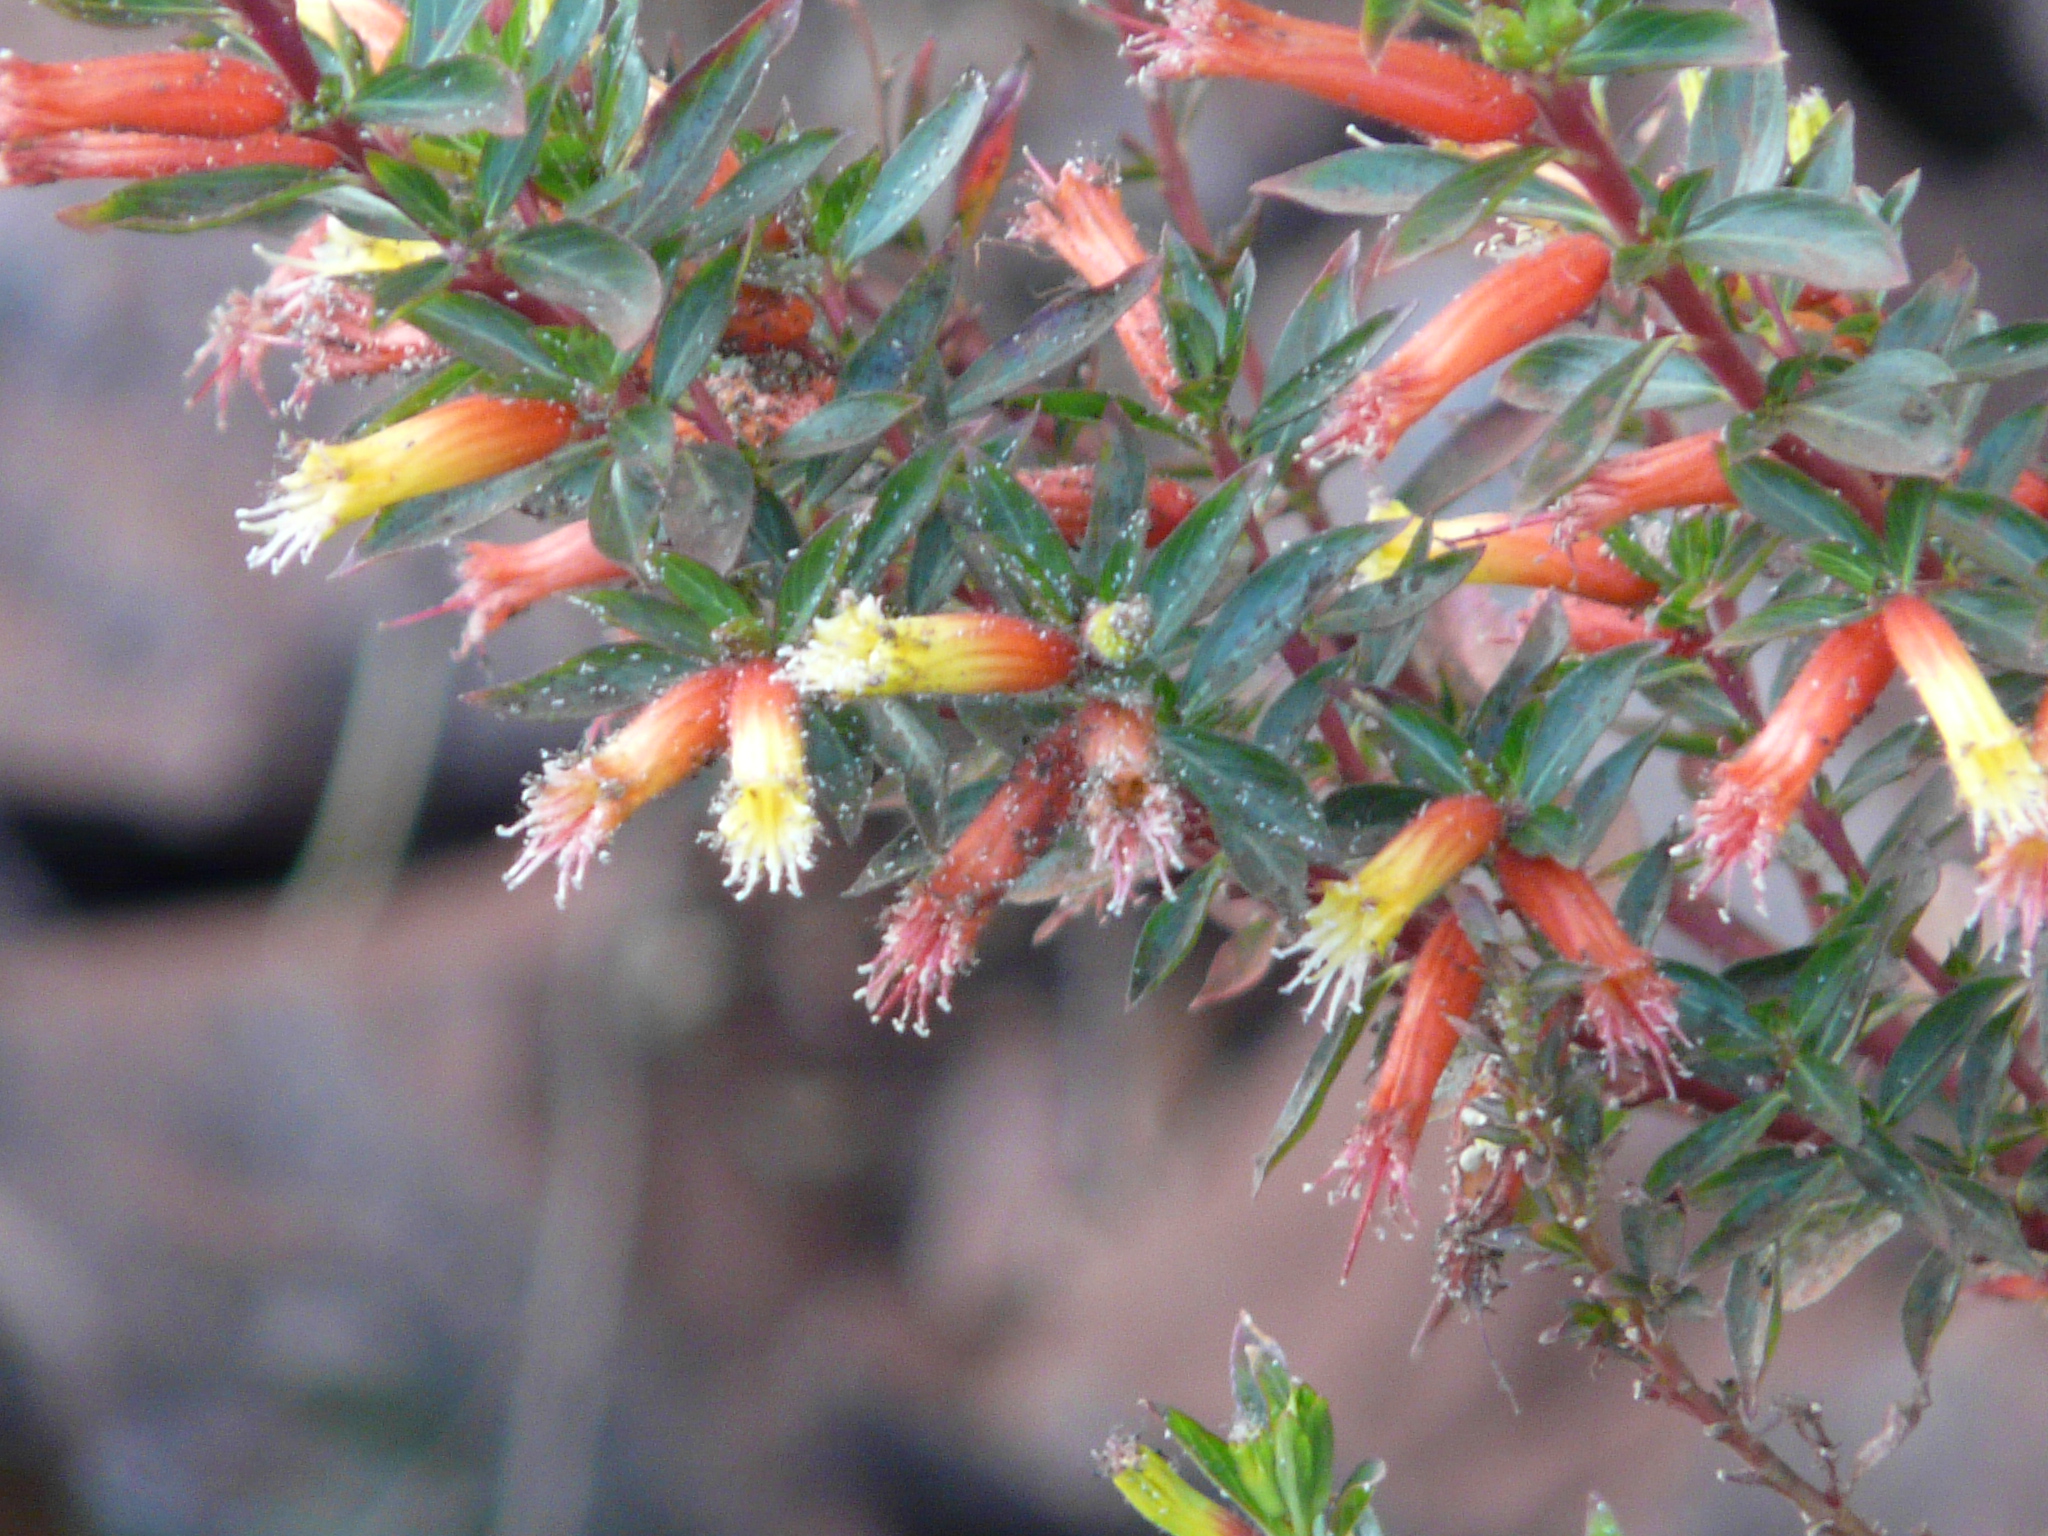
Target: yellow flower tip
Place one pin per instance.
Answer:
(1349, 929)
(1161, 1495)
(849, 653)
(2012, 896)
(1384, 561)
(1692, 88)
(340, 251)
(766, 826)
(309, 505)
(1116, 632)
(862, 650)
(2003, 786)
(1809, 115)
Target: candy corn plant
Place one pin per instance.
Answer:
(1124, 609)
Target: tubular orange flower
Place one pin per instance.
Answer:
(929, 936)
(1355, 921)
(579, 800)
(1685, 472)
(1595, 627)
(1414, 85)
(1632, 1008)
(2012, 889)
(1068, 492)
(498, 582)
(1757, 792)
(1501, 313)
(1443, 989)
(1079, 216)
(862, 650)
(1131, 815)
(142, 156)
(2031, 492)
(379, 24)
(1529, 556)
(766, 827)
(203, 93)
(458, 443)
(1994, 769)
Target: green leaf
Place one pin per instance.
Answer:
(469, 94)
(1212, 1454)
(1982, 1083)
(564, 38)
(1119, 511)
(902, 504)
(1930, 1300)
(1794, 616)
(1888, 413)
(1023, 542)
(1751, 1312)
(1650, 37)
(1604, 791)
(1788, 502)
(1188, 563)
(1430, 752)
(489, 335)
(173, 205)
(422, 520)
(1542, 644)
(507, 163)
(1473, 452)
(1324, 315)
(1050, 339)
(1589, 425)
(767, 180)
(848, 421)
(1264, 816)
(1171, 930)
(1766, 1212)
(2007, 450)
(1824, 1093)
(890, 352)
(1797, 234)
(1712, 1145)
(1575, 717)
(709, 506)
(1998, 534)
(1455, 206)
(1935, 1044)
(1891, 1176)
(817, 571)
(1927, 321)
(1319, 1075)
(651, 619)
(920, 166)
(133, 13)
(694, 324)
(2005, 353)
(1384, 179)
(1384, 19)
(1314, 385)
(611, 282)
(1738, 131)
(1552, 374)
(687, 130)
(1406, 595)
(440, 28)
(417, 195)
(1256, 619)
(701, 590)
(594, 683)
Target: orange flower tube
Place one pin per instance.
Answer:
(1757, 792)
(1501, 313)
(1079, 216)
(930, 934)
(1685, 472)
(579, 800)
(1067, 491)
(766, 827)
(1418, 86)
(2012, 889)
(1529, 556)
(1130, 813)
(1632, 1008)
(144, 156)
(861, 650)
(1443, 989)
(1596, 627)
(205, 94)
(498, 582)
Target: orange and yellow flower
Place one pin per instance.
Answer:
(2012, 889)
(1501, 313)
(1079, 216)
(1757, 792)
(861, 651)
(459, 443)
(1414, 85)
(766, 828)
(1993, 765)
(578, 801)
(1355, 921)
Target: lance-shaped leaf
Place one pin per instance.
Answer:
(901, 506)
(1738, 132)
(135, 13)
(439, 28)
(1751, 1313)
(488, 335)
(849, 421)
(1997, 534)
(2005, 353)
(1930, 1301)
(177, 205)
(1577, 714)
(1589, 425)
(1890, 413)
(1770, 1208)
(1305, 1103)
(1265, 817)
(1403, 597)
(1311, 387)
(1382, 20)
(1927, 321)
(688, 129)
(651, 619)
(1384, 179)
(1934, 1045)
(1119, 511)
(1997, 462)
(818, 571)
(1187, 564)
(611, 282)
(422, 520)
(920, 166)
(564, 38)
(1256, 619)
(1651, 37)
(461, 95)
(1798, 234)
(1022, 540)
(1712, 1145)
(1789, 502)
(1326, 313)
(890, 353)
(987, 158)
(1455, 206)
(768, 180)
(1552, 374)
(702, 590)
(693, 324)
(594, 683)
(1170, 932)
(1050, 339)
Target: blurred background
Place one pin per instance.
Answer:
(343, 1192)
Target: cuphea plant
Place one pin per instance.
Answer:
(1087, 641)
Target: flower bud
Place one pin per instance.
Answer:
(1501, 313)
(1355, 921)
(1414, 85)
(1756, 793)
(1443, 989)
(197, 93)
(1067, 492)
(861, 651)
(1995, 773)
(1116, 632)
(455, 444)
(1632, 1008)
(1079, 216)
(766, 827)
(930, 934)
(144, 156)
(579, 800)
